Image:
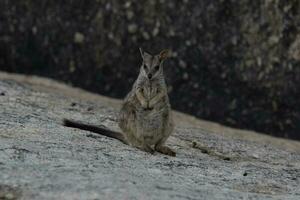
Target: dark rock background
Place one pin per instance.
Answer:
(234, 62)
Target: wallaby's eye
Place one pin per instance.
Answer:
(156, 67)
(145, 67)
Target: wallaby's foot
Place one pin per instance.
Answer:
(146, 148)
(165, 150)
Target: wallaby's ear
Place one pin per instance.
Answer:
(164, 54)
(142, 52)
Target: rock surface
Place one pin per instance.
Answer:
(41, 159)
(233, 61)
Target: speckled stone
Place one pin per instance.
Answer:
(41, 159)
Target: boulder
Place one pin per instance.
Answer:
(42, 159)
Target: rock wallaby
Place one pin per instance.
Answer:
(145, 117)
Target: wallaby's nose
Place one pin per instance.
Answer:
(150, 76)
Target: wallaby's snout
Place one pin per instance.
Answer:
(149, 76)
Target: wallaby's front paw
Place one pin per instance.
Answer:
(148, 109)
(144, 104)
(151, 105)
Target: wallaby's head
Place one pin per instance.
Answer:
(152, 66)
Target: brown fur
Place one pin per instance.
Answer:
(145, 117)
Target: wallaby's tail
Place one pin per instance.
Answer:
(95, 129)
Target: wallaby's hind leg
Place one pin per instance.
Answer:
(161, 148)
(160, 145)
(128, 124)
(165, 150)
(140, 143)
(146, 148)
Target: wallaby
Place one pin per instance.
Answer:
(145, 117)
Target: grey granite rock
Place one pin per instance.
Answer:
(41, 159)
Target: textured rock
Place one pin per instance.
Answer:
(243, 53)
(41, 159)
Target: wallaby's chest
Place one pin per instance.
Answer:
(150, 90)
